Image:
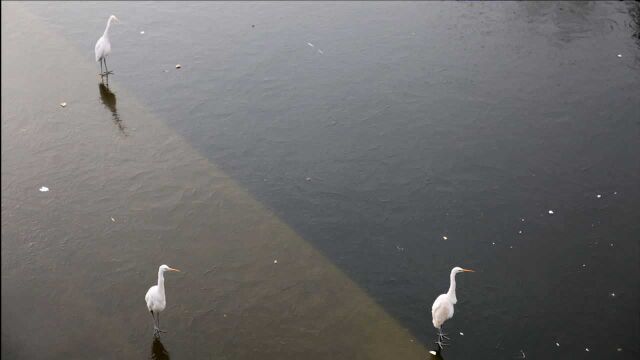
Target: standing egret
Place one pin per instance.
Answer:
(442, 309)
(103, 47)
(156, 300)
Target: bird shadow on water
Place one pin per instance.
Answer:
(108, 98)
(158, 351)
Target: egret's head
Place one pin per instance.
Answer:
(458, 269)
(113, 17)
(164, 268)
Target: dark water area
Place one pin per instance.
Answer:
(396, 139)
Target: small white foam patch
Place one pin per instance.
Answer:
(44, 189)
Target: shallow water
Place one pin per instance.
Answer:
(347, 162)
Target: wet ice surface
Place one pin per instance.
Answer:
(420, 120)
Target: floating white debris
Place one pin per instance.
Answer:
(445, 238)
(433, 352)
(275, 261)
(615, 193)
(586, 349)
(320, 52)
(619, 349)
(584, 265)
(63, 104)
(141, 32)
(310, 44)
(44, 189)
(611, 244)
(598, 196)
(619, 55)
(461, 333)
(510, 247)
(112, 219)
(308, 179)
(550, 212)
(520, 232)
(178, 66)
(493, 243)
(224, 315)
(613, 294)
(558, 344)
(522, 219)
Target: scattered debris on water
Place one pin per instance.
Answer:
(522, 219)
(613, 294)
(112, 219)
(275, 261)
(445, 238)
(584, 265)
(44, 189)
(598, 196)
(493, 243)
(586, 349)
(308, 179)
(520, 232)
(461, 333)
(63, 104)
(310, 44)
(619, 55)
(141, 32)
(320, 52)
(178, 66)
(558, 344)
(550, 212)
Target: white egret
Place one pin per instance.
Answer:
(103, 46)
(156, 299)
(442, 309)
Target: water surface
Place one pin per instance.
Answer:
(344, 140)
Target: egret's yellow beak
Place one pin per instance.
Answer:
(467, 270)
(172, 269)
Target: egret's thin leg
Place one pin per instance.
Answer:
(156, 331)
(106, 68)
(159, 330)
(443, 334)
(102, 74)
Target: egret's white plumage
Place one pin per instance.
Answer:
(442, 309)
(103, 45)
(156, 299)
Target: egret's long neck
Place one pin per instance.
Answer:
(106, 30)
(452, 287)
(161, 281)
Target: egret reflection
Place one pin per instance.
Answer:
(158, 351)
(109, 100)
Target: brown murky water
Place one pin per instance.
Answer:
(346, 162)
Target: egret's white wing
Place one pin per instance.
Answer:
(441, 311)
